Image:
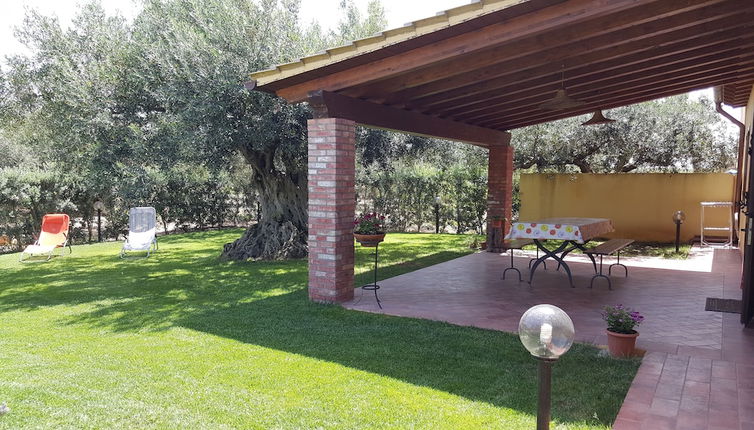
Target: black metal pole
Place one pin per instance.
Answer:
(677, 235)
(376, 254)
(437, 217)
(99, 225)
(543, 409)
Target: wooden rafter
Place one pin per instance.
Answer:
(493, 71)
(553, 48)
(326, 104)
(688, 42)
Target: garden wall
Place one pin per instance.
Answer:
(641, 206)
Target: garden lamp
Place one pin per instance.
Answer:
(99, 207)
(547, 333)
(437, 214)
(678, 218)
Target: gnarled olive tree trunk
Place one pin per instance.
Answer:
(281, 232)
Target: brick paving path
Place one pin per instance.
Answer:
(698, 372)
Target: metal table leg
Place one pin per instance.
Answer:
(554, 255)
(582, 248)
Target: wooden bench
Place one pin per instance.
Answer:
(612, 246)
(510, 245)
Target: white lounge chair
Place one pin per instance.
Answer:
(53, 235)
(142, 231)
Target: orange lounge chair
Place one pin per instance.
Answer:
(54, 235)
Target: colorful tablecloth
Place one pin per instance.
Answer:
(575, 229)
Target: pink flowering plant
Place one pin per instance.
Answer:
(369, 223)
(621, 319)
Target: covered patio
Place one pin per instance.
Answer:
(696, 372)
(474, 73)
(670, 293)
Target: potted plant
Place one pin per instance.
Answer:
(621, 333)
(369, 229)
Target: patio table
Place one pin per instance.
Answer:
(573, 232)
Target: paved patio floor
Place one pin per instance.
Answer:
(698, 371)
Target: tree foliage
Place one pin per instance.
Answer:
(671, 134)
(401, 175)
(154, 112)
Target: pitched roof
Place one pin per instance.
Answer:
(493, 63)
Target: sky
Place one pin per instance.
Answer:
(398, 12)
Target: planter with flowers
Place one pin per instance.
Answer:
(369, 229)
(621, 333)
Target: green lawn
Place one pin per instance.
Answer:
(637, 249)
(182, 340)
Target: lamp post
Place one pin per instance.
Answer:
(437, 214)
(99, 206)
(678, 218)
(546, 331)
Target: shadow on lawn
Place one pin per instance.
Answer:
(265, 304)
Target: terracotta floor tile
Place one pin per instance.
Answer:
(698, 375)
(698, 368)
(664, 407)
(692, 421)
(723, 419)
(658, 422)
(720, 370)
(621, 424)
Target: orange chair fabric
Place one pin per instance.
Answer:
(54, 230)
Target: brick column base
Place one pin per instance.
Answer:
(499, 194)
(332, 203)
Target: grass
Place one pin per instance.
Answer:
(182, 340)
(639, 249)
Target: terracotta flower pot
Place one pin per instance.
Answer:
(369, 240)
(620, 344)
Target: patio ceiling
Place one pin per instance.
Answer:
(474, 71)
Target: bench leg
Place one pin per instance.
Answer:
(517, 271)
(512, 268)
(532, 260)
(600, 275)
(610, 269)
(609, 284)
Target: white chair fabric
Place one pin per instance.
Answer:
(142, 230)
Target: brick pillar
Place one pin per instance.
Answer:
(332, 203)
(499, 193)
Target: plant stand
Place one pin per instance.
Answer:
(374, 286)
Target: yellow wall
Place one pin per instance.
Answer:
(641, 206)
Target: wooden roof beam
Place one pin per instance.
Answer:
(613, 101)
(630, 26)
(654, 49)
(571, 13)
(611, 85)
(605, 81)
(628, 95)
(598, 76)
(638, 98)
(331, 105)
